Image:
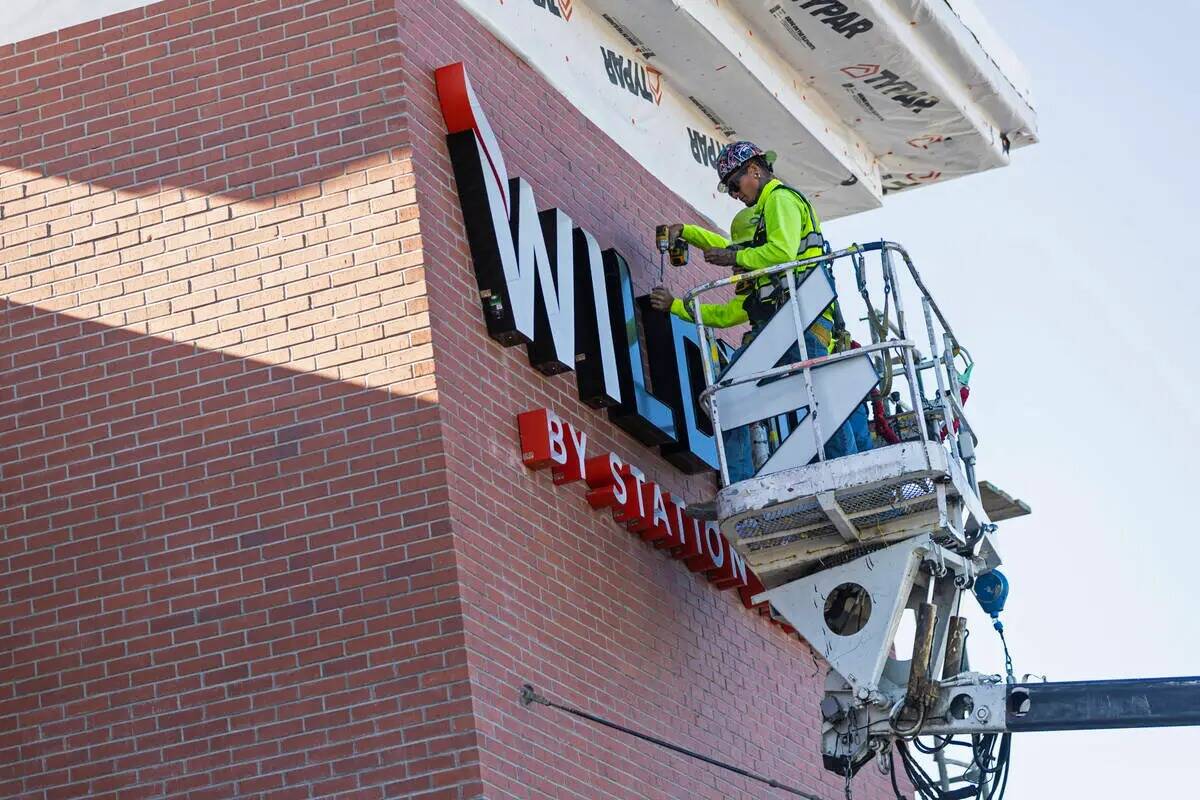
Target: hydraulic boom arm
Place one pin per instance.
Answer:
(1094, 705)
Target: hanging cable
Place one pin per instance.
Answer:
(895, 785)
(877, 322)
(936, 748)
(991, 754)
(529, 696)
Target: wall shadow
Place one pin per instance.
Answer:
(213, 561)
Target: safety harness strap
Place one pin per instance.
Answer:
(814, 237)
(761, 304)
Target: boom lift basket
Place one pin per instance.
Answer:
(845, 545)
(791, 523)
(802, 511)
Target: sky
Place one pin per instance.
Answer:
(1072, 277)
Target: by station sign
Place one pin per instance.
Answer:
(635, 502)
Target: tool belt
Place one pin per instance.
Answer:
(763, 301)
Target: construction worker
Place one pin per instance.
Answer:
(786, 229)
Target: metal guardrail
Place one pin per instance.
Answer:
(943, 348)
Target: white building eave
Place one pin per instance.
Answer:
(859, 97)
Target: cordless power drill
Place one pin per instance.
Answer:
(677, 250)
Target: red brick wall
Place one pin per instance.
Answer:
(255, 543)
(554, 593)
(227, 562)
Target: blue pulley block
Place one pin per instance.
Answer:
(991, 590)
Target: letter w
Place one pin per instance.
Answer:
(544, 312)
(524, 261)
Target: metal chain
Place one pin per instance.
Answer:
(1008, 664)
(852, 721)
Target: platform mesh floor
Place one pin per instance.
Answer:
(866, 508)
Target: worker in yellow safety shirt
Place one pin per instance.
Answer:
(719, 315)
(785, 228)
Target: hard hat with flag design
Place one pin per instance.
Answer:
(734, 155)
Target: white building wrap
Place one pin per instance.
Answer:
(620, 90)
(859, 98)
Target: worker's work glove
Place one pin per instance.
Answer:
(721, 257)
(674, 232)
(661, 298)
(742, 286)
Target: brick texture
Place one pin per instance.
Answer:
(266, 529)
(227, 553)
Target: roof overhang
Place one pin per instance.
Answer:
(859, 97)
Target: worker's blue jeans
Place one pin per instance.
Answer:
(861, 429)
(852, 437)
(738, 454)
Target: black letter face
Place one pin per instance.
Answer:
(596, 375)
(641, 414)
(678, 377)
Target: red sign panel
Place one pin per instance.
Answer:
(639, 505)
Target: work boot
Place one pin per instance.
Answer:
(706, 511)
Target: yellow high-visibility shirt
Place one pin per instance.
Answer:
(790, 222)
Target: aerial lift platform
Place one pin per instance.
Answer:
(845, 546)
